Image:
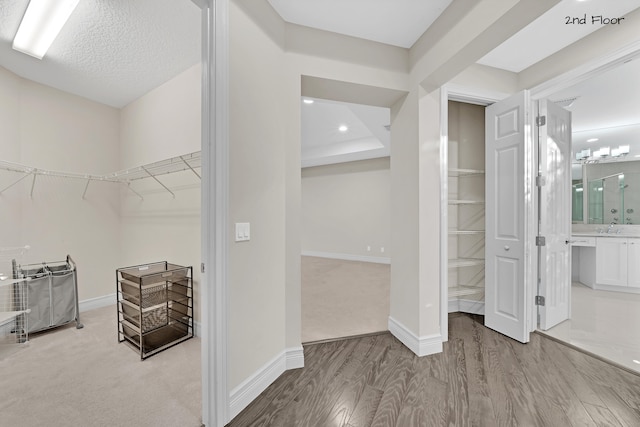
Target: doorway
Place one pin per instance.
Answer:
(345, 224)
(603, 199)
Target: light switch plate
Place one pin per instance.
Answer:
(243, 231)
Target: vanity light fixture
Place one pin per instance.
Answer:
(41, 24)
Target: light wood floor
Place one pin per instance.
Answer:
(481, 379)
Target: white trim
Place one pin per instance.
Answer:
(469, 95)
(466, 306)
(421, 346)
(586, 71)
(98, 302)
(294, 358)
(197, 328)
(348, 257)
(245, 393)
(214, 211)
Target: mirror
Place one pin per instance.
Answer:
(605, 144)
(613, 193)
(609, 193)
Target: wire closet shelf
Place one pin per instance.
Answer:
(187, 162)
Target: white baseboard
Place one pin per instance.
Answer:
(421, 346)
(245, 393)
(466, 306)
(294, 358)
(348, 257)
(98, 302)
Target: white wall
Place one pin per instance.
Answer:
(346, 208)
(11, 212)
(257, 195)
(162, 124)
(50, 129)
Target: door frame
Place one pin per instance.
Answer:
(214, 210)
(452, 92)
(545, 89)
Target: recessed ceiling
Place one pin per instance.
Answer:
(397, 22)
(112, 51)
(335, 132)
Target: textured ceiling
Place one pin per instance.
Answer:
(397, 22)
(112, 51)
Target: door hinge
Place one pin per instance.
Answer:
(540, 241)
(541, 120)
(540, 181)
(539, 300)
(202, 267)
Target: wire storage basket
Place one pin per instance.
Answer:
(155, 306)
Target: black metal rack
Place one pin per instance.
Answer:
(155, 306)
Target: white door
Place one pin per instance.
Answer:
(554, 190)
(507, 145)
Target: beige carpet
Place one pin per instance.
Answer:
(343, 298)
(84, 377)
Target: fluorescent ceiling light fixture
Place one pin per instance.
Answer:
(343, 128)
(308, 101)
(592, 140)
(41, 24)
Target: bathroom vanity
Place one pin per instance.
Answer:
(607, 261)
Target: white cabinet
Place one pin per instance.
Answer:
(611, 261)
(633, 263)
(618, 261)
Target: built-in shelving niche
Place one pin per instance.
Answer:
(466, 208)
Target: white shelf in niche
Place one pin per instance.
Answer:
(465, 262)
(466, 232)
(457, 172)
(460, 291)
(465, 202)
